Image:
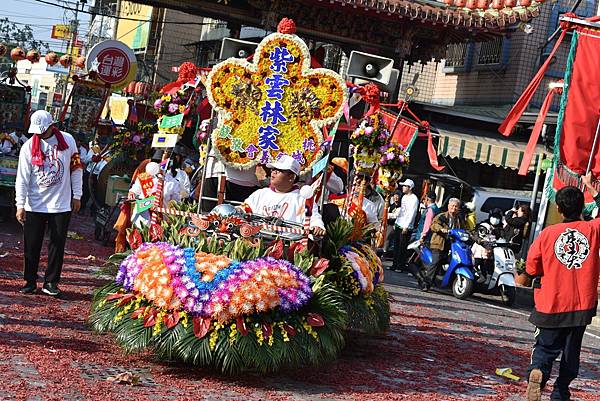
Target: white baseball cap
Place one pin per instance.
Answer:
(40, 121)
(286, 162)
(407, 183)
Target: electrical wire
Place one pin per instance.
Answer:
(125, 18)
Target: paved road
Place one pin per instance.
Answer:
(438, 348)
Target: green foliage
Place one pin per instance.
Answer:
(231, 352)
(369, 314)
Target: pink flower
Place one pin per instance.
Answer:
(158, 103)
(369, 130)
(173, 108)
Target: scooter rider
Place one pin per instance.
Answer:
(440, 226)
(483, 256)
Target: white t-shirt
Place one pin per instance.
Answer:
(408, 211)
(288, 206)
(370, 210)
(335, 185)
(48, 188)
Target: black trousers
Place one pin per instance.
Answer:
(400, 251)
(549, 344)
(33, 233)
(85, 197)
(437, 258)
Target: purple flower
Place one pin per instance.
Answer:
(173, 108)
(158, 103)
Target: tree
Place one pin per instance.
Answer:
(13, 35)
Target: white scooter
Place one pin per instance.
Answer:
(502, 279)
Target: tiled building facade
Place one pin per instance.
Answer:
(495, 73)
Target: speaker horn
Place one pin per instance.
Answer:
(370, 67)
(390, 87)
(236, 48)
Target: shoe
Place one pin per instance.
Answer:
(534, 386)
(28, 288)
(559, 394)
(51, 289)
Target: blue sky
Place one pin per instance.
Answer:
(41, 17)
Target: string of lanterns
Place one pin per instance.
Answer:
(18, 54)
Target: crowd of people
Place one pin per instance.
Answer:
(50, 186)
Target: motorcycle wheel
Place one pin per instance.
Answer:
(462, 287)
(508, 295)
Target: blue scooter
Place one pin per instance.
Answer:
(458, 270)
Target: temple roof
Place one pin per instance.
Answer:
(392, 27)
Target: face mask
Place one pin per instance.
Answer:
(494, 221)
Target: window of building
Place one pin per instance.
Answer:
(456, 55)
(491, 52)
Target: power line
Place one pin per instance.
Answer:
(127, 19)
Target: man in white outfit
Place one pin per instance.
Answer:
(47, 189)
(282, 198)
(409, 205)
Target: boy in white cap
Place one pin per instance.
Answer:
(282, 198)
(47, 189)
(405, 222)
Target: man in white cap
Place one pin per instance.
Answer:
(47, 189)
(409, 205)
(282, 198)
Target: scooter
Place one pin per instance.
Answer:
(502, 280)
(458, 270)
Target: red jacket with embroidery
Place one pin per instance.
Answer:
(566, 257)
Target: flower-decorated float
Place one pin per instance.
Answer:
(236, 291)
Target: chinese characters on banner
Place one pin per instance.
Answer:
(113, 65)
(275, 105)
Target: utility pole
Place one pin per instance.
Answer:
(70, 46)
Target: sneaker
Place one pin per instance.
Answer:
(534, 386)
(51, 289)
(28, 288)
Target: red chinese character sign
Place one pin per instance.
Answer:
(114, 62)
(274, 105)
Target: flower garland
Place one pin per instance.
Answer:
(211, 285)
(393, 159)
(250, 97)
(129, 141)
(371, 134)
(366, 265)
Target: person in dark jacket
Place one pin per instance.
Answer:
(566, 258)
(438, 243)
(517, 223)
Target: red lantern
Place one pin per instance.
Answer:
(471, 4)
(2, 50)
(483, 4)
(17, 54)
(448, 2)
(80, 62)
(497, 4)
(510, 3)
(524, 3)
(142, 88)
(65, 60)
(130, 88)
(33, 56)
(51, 58)
(459, 3)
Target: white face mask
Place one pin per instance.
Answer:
(494, 221)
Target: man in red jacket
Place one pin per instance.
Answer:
(566, 258)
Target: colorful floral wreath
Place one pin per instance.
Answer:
(274, 105)
(212, 286)
(366, 265)
(371, 134)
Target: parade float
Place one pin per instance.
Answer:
(239, 292)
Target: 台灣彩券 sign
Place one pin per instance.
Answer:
(114, 61)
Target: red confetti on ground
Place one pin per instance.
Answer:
(49, 351)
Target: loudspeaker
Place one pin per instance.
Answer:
(370, 67)
(236, 48)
